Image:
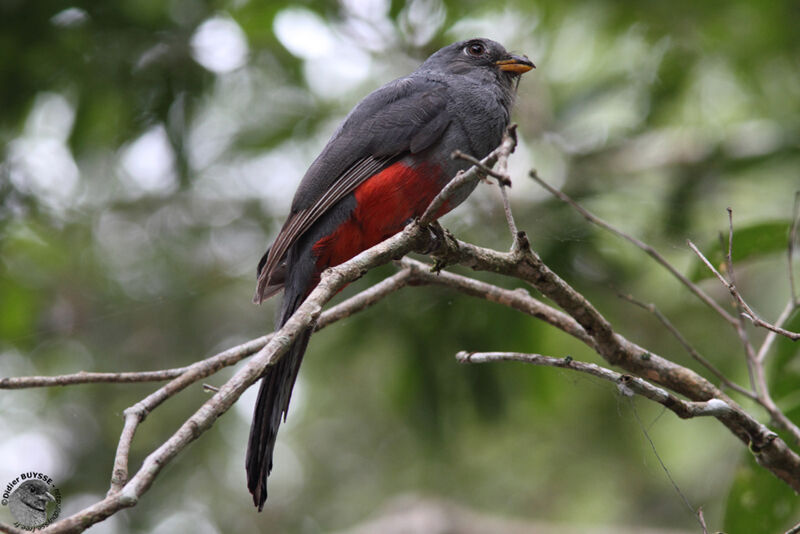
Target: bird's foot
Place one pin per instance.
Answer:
(437, 237)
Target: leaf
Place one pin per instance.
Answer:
(750, 242)
(759, 502)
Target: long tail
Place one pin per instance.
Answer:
(272, 405)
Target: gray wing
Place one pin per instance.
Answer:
(403, 117)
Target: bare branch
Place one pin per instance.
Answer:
(527, 266)
(83, 377)
(138, 412)
(502, 164)
(364, 299)
(755, 368)
(747, 310)
(229, 357)
(701, 518)
(650, 251)
(749, 352)
(502, 176)
(331, 281)
(579, 318)
(8, 529)
(757, 321)
(125, 493)
(771, 336)
(793, 239)
(467, 179)
(688, 346)
(765, 400)
(627, 385)
(485, 169)
(517, 299)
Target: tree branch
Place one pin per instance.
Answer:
(793, 239)
(518, 299)
(747, 311)
(650, 251)
(689, 348)
(501, 174)
(525, 265)
(626, 384)
(211, 365)
(754, 366)
(125, 494)
(469, 178)
(579, 318)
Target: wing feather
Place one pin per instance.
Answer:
(405, 116)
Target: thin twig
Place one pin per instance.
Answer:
(650, 251)
(747, 310)
(503, 178)
(708, 264)
(697, 513)
(758, 321)
(466, 179)
(702, 519)
(512, 225)
(729, 254)
(526, 265)
(793, 234)
(749, 352)
(331, 281)
(628, 385)
(768, 448)
(83, 377)
(485, 169)
(502, 165)
(757, 374)
(137, 413)
(229, 357)
(517, 299)
(688, 346)
(771, 336)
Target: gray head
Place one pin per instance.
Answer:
(482, 59)
(28, 503)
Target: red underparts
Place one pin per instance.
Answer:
(385, 203)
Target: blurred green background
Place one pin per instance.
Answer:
(150, 150)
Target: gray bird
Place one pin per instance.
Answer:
(380, 170)
(28, 503)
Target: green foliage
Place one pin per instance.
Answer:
(758, 502)
(750, 242)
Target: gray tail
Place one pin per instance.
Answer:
(272, 405)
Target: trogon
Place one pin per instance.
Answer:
(381, 169)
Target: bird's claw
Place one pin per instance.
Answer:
(437, 237)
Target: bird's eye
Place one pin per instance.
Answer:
(475, 49)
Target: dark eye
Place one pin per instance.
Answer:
(475, 49)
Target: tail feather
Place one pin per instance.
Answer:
(272, 405)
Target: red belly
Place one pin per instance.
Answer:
(385, 203)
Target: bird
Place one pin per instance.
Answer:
(28, 503)
(381, 169)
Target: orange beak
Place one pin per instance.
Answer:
(515, 64)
